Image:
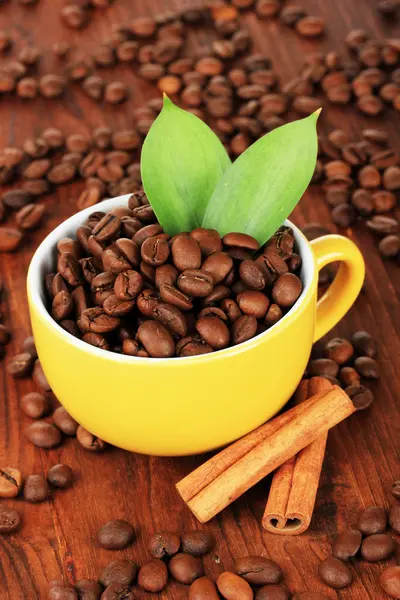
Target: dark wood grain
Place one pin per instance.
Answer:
(58, 537)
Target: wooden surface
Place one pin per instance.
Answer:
(58, 536)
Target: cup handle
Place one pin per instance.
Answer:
(342, 293)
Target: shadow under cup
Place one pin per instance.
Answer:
(173, 406)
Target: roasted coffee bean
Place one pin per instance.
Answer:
(16, 199)
(377, 547)
(274, 314)
(97, 340)
(218, 265)
(363, 201)
(146, 302)
(107, 228)
(62, 590)
(166, 275)
(335, 573)
(367, 367)
(164, 544)
(69, 268)
(339, 350)
(258, 570)
(214, 331)
(35, 405)
(61, 306)
(233, 587)
(89, 441)
(241, 240)
(171, 317)
(383, 225)
(286, 290)
(272, 265)
(10, 482)
(219, 292)
(43, 434)
(36, 489)
(347, 544)
(115, 534)
(373, 519)
(146, 232)
(128, 284)
(156, 339)
(243, 329)
(361, 396)
(272, 592)
(396, 489)
(231, 309)
(203, 589)
(153, 576)
(186, 253)
(194, 282)
(253, 303)
(190, 346)
(117, 590)
(116, 307)
(390, 581)
(39, 377)
(65, 423)
(58, 285)
(197, 543)
(209, 240)
(121, 571)
(323, 366)
(10, 239)
(51, 85)
(9, 520)
(116, 92)
(60, 476)
(97, 320)
(20, 365)
(74, 16)
(155, 251)
(344, 215)
(394, 518)
(364, 344)
(391, 178)
(185, 568)
(349, 377)
(88, 589)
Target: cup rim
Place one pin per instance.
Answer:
(70, 225)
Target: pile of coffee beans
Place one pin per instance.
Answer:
(349, 363)
(370, 541)
(361, 182)
(124, 285)
(77, 15)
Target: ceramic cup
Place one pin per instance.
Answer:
(180, 406)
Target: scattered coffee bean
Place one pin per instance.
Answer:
(347, 544)
(390, 581)
(233, 587)
(60, 476)
(121, 571)
(62, 590)
(258, 570)
(197, 543)
(272, 592)
(165, 544)
(364, 344)
(185, 568)
(64, 421)
(372, 519)
(9, 520)
(43, 434)
(117, 590)
(36, 489)
(367, 367)
(340, 350)
(35, 405)
(10, 482)
(377, 547)
(361, 396)
(89, 441)
(335, 573)
(88, 589)
(323, 367)
(203, 589)
(153, 576)
(394, 518)
(115, 534)
(396, 489)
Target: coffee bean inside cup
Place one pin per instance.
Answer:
(191, 294)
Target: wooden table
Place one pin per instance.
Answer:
(58, 536)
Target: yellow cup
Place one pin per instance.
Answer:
(179, 406)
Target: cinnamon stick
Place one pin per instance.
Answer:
(294, 485)
(291, 432)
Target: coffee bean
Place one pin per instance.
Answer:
(164, 544)
(190, 346)
(36, 489)
(74, 16)
(335, 573)
(39, 377)
(203, 589)
(117, 590)
(115, 534)
(51, 85)
(186, 568)
(286, 290)
(64, 421)
(347, 544)
(218, 265)
(43, 434)
(377, 547)
(62, 305)
(60, 476)
(197, 543)
(243, 329)
(361, 396)
(390, 581)
(156, 339)
(155, 251)
(116, 92)
(272, 592)
(97, 320)
(372, 520)
(116, 307)
(231, 309)
(349, 377)
(339, 349)
(253, 303)
(122, 572)
(396, 489)
(166, 275)
(153, 576)
(10, 239)
(194, 282)
(10, 482)
(9, 520)
(240, 240)
(364, 344)
(258, 570)
(16, 199)
(171, 317)
(367, 367)
(344, 215)
(89, 441)
(186, 253)
(233, 587)
(20, 365)
(323, 366)
(88, 589)
(394, 518)
(382, 225)
(391, 178)
(62, 590)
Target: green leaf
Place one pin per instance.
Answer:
(259, 191)
(182, 162)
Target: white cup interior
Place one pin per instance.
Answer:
(44, 261)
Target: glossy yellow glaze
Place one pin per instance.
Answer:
(190, 405)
